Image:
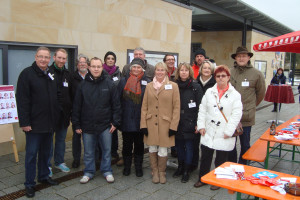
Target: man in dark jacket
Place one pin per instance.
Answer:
(37, 106)
(77, 77)
(96, 114)
(63, 81)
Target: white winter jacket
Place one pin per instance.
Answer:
(211, 119)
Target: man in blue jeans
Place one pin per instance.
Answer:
(63, 81)
(96, 114)
(37, 105)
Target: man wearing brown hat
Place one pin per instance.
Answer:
(250, 83)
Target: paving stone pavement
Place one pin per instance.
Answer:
(131, 187)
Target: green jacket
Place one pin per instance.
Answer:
(253, 94)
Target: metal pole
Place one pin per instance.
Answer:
(293, 63)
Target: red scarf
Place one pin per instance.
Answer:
(169, 74)
(132, 89)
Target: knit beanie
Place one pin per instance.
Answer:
(137, 61)
(200, 52)
(110, 53)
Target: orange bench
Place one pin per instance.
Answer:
(257, 152)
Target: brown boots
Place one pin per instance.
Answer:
(158, 165)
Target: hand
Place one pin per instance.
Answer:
(172, 132)
(226, 136)
(196, 131)
(26, 128)
(78, 131)
(144, 131)
(202, 131)
(112, 129)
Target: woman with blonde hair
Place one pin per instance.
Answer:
(159, 120)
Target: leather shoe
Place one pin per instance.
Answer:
(30, 192)
(199, 184)
(48, 181)
(75, 163)
(213, 187)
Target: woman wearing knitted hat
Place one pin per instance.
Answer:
(131, 89)
(159, 120)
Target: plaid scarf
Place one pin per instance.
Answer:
(132, 89)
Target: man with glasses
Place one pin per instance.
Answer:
(139, 52)
(79, 75)
(63, 81)
(250, 83)
(169, 59)
(96, 115)
(37, 110)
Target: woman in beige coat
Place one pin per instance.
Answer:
(159, 120)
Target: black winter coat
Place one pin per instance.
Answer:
(278, 79)
(64, 87)
(37, 99)
(131, 112)
(190, 98)
(96, 105)
(209, 84)
(76, 80)
(115, 77)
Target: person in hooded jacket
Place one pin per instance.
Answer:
(278, 79)
(96, 115)
(131, 90)
(190, 98)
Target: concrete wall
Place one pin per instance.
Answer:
(96, 26)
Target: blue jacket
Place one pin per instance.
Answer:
(131, 112)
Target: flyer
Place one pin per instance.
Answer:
(8, 106)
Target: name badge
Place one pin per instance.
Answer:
(168, 87)
(144, 82)
(115, 78)
(245, 84)
(51, 76)
(65, 84)
(192, 105)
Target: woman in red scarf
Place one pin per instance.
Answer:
(131, 89)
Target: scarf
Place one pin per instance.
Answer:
(184, 84)
(222, 92)
(204, 82)
(157, 84)
(132, 89)
(109, 70)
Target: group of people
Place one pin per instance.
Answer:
(163, 106)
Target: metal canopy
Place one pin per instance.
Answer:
(216, 15)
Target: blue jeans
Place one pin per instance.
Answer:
(89, 143)
(185, 150)
(60, 147)
(245, 145)
(37, 144)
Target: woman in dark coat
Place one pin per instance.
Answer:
(278, 79)
(131, 89)
(190, 98)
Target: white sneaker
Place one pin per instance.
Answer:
(84, 179)
(109, 178)
(50, 172)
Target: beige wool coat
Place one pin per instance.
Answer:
(160, 112)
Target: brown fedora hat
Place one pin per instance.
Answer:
(241, 50)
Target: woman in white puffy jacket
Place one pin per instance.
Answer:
(216, 132)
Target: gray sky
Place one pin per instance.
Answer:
(286, 12)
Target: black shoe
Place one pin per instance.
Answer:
(30, 192)
(75, 163)
(274, 110)
(185, 176)
(138, 164)
(139, 172)
(48, 181)
(126, 171)
(179, 170)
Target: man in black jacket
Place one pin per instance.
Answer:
(63, 81)
(79, 75)
(96, 114)
(37, 106)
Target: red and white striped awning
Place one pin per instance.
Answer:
(285, 43)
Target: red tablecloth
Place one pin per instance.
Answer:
(280, 94)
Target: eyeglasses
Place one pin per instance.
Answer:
(170, 59)
(221, 76)
(82, 62)
(96, 67)
(43, 57)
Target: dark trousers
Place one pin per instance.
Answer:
(76, 146)
(114, 143)
(133, 141)
(185, 150)
(196, 147)
(275, 107)
(206, 159)
(245, 145)
(37, 145)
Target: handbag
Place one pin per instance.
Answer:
(239, 129)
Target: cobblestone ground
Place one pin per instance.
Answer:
(131, 187)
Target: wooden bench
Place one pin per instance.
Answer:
(257, 152)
